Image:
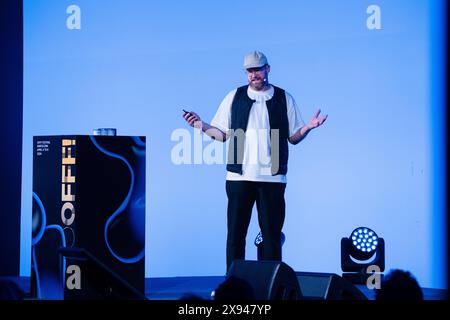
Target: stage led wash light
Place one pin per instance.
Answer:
(364, 243)
(363, 249)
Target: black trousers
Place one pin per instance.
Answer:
(269, 198)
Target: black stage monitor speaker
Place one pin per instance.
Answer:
(327, 286)
(97, 281)
(270, 280)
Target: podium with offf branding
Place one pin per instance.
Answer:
(88, 216)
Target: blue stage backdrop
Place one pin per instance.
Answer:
(375, 67)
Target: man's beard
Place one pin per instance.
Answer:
(257, 84)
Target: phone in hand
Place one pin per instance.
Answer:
(186, 111)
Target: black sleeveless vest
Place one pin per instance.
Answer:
(240, 111)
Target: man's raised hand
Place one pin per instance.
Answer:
(316, 121)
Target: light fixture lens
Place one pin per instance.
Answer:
(364, 240)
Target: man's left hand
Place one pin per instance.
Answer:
(316, 121)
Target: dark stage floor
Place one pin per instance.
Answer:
(175, 288)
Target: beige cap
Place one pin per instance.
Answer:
(255, 59)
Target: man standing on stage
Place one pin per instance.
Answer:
(258, 119)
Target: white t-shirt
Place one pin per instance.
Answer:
(256, 164)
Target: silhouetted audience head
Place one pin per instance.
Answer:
(9, 290)
(234, 288)
(399, 285)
